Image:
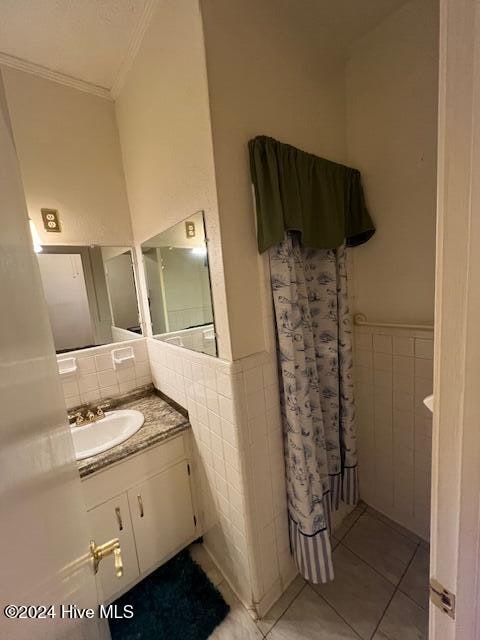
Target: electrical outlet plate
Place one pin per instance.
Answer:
(51, 220)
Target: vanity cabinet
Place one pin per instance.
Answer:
(162, 515)
(152, 513)
(112, 520)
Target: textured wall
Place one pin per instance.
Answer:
(70, 160)
(391, 137)
(164, 124)
(262, 82)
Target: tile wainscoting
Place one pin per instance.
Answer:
(235, 417)
(393, 374)
(96, 378)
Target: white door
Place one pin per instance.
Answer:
(455, 555)
(43, 527)
(66, 296)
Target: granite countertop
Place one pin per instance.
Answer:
(162, 421)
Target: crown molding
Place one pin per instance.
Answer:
(133, 47)
(82, 85)
(54, 76)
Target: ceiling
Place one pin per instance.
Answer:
(95, 41)
(89, 40)
(338, 23)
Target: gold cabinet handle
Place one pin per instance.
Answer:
(117, 556)
(98, 552)
(118, 513)
(140, 505)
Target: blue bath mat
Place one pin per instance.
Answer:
(175, 602)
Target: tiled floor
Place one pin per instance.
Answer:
(380, 591)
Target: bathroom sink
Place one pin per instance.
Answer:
(113, 429)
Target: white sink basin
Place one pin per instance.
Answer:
(113, 429)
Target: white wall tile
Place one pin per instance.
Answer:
(90, 396)
(424, 368)
(382, 362)
(109, 392)
(96, 377)
(88, 382)
(125, 373)
(403, 346)
(226, 408)
(394, 427)
(254, 380)
(104, 361)
(383, 379)
(255, 402)
(364, 357)
(403, 365)
(86, 365)
(270, 374)
(403, 382)
(363, 340)
(70, 388)
(382, 343)
(423, 348)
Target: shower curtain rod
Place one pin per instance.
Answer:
(360, 320)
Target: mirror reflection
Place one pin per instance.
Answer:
(90, 294)
(178, 281)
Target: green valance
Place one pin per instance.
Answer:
(297, 191)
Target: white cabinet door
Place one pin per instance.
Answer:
(107, 521)
(162, 515)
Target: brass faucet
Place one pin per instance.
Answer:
(78, 420)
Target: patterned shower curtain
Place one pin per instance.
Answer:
(315, 361)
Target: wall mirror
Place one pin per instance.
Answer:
(178, 282)
(91, 295)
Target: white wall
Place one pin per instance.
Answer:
(267, 75)
(164, 124)
(70, 160)
(391, 138)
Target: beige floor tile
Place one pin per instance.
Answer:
(201, 557)
(380, 546)
(238, 625)
(404, 620)
(394, 525)
(416, 581)
(358, 593)
(309, 617)
(279, 608)
(341, 531)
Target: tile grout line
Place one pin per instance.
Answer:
(370, 566)
(393, 526)
(351, 526)
(280, 617)
(413, 601)
(338, 614)
(340, 542)
(394, 593)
